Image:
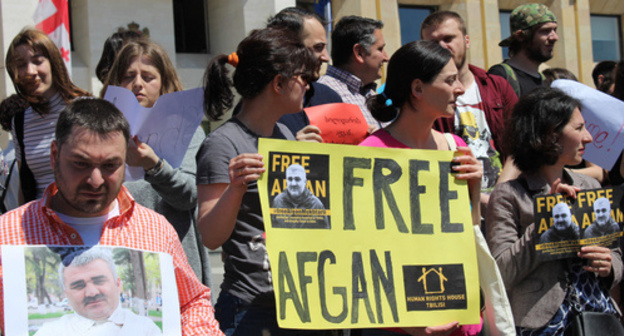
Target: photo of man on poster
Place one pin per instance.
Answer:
(90, 282)
(604, 223)
(297, 196)
(563, 228)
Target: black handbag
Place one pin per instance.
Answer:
(591, 323)
(594, 324)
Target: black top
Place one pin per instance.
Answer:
(527, 81)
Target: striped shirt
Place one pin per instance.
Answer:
(136, 227)
(350, 89)
(38, 135)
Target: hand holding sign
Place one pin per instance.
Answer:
(167, 128)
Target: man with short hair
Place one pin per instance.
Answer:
(563, 228)
(297, 196)
(358, 55)
(604, 223)
(92, 287)
(87, 205)
(604, 75)
(482, 110)
(533, 36)
(310, 28)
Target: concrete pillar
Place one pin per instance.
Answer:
(566, 50)
(231, 20)
(491, 33)
(583, 36)
(94, 21)
(573, 50)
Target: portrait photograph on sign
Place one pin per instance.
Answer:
(298, 192)
(563, 224)
(398, 249)
(77, 290)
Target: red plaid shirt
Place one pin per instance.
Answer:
(136, 227)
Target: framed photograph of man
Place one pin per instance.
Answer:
(78, 290)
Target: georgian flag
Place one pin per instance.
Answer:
(52, 18)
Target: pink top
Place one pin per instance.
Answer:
(382, 138)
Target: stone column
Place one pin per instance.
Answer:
(573, 51)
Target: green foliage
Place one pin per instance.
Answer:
(36, 316)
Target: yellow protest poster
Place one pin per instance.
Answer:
(363, 237)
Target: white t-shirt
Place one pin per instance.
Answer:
(471, 125)
(89, 228)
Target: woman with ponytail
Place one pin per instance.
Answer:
(272, 73)
(39, 76)
(422, 86)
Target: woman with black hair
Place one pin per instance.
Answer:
(422, 86)
(272, 72)
(546, 132)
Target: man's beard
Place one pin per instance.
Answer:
(536, 54)
(460, 63)
(297, 194)
(88, 206)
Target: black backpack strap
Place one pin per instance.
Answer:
(27, 179)
(5, 187)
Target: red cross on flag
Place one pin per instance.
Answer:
(52, 18)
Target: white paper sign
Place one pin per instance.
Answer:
(604, 119)
(168, 127)
(36, 302)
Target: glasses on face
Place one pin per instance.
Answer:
(296, 179)
(603, 211)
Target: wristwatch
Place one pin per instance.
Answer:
(152, 171)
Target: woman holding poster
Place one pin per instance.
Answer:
(144, 68)
(422, 85)
(547, 132)
(39, 76)
(272, 72)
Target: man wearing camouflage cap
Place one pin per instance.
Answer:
(533, 35)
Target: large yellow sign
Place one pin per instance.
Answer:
(367, 237)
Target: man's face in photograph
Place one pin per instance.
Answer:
(602, 209)
(561, 216)
(92, 290)
(295, 180)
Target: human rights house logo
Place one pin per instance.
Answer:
(434, 287)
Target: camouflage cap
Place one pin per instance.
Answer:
(527, 16)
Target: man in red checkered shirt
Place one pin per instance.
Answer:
(87, 205)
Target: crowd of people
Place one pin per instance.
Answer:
(514, 137)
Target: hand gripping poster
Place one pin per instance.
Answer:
(362, 237)
(564, 224)
(78, 290)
